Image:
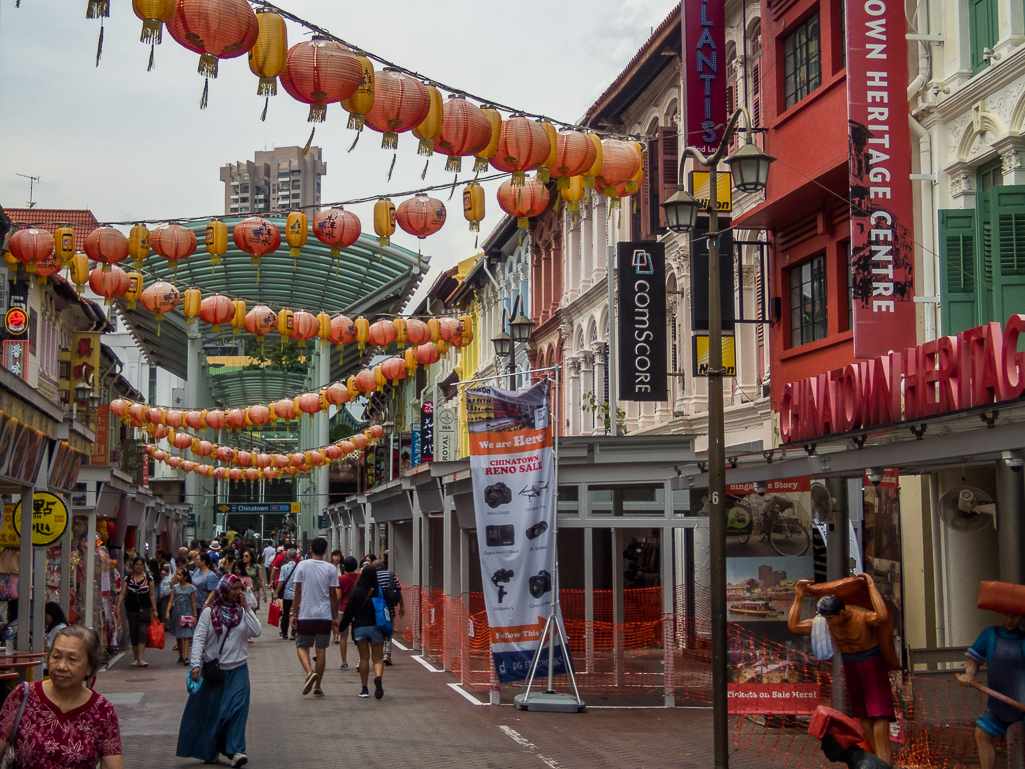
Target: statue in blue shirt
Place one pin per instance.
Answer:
(1002, 649)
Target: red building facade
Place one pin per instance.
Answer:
(806, 210)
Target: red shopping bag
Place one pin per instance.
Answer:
(273, 614)
(155, 635)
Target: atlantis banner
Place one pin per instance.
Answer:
(512, 465)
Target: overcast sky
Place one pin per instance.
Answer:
(130, 144)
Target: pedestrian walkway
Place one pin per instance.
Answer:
(423, 721)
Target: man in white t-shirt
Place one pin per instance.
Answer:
(314, 612)
(268, 560)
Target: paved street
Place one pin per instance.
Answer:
(422, 721)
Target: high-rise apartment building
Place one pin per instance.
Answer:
(276, 180)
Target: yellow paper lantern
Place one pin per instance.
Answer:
(543, 173)
(480, 165)
(12, 263)
(268, 57)
(430, 127)
(138, 245)
(595, 169)
(400, 331)
(64, 244)
(379, 378)
(191, 302)
(473, 205)
(384, 221)
(434, 324)
(297, 228)
(361, 102)
(284, 324)
(79, 269)
(216, 241)
(362, 331)
(153, 14)
(573, 193)
(351, 388)
(324, 331)
(135, 287)
(238, 320)
(634, 182)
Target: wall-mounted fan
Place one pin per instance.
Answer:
(966, 508)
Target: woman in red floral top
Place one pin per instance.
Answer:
(66, 725)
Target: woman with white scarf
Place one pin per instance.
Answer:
(215, 715)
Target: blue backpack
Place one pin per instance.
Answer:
(382, 614)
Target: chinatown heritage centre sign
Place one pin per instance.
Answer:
(974, 368)
(641, 277)
(882, 230)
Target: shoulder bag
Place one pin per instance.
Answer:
(211, 671)
(9, 760)
(382, 614)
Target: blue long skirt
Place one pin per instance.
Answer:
(215, 718)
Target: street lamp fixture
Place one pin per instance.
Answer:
(521, 328)
(750, 167)
(503, 344)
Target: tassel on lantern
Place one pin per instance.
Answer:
(97, 9)
(99, 46)
(519, 178)
(356, 121)
(152, 51)
(355, 141)
(452, 192)
(208, 65)
(206, 94)
(424, 174)
(306, 149)
(318, 113)
(426, 148)
(268, 87)
(480, 165)
(152, 31)
(544, 175)
(454, 164)
(392, 166)
(263, 115)
(390, 140)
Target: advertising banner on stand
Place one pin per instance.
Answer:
(512, 466)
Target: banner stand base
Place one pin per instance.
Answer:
(548, 702)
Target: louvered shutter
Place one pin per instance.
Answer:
(958, 270)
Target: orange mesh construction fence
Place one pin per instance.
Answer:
(775, 684)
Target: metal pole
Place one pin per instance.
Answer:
(555, 540)
(717, 479)
(613, 357)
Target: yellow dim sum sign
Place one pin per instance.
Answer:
(50, 520)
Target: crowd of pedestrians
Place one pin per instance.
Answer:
(205, 598)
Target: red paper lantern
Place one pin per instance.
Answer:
(204, 448)
(320, 71)
(215, 419)
(377, 432)
(235, 419)
(420, 215)
(243, 459)
(215, 310)
(304, 326)
(259, 415)
(522, 146)
(182, 441)
(285, 409)
(359, 440)
(297, 459)
(383, 333)
(401, 103)
(347, 447)
(343, 330)
(235, 474)
(194, 419)
(337, 228)
(336, 394)
(119, 407)
(261, 320)
(215, 29)
(281, 460)
(365, 381)
(263, 461)
(394, 369)
(465, 131)
(106, 245)
(109, 284)
(427, 353)
(252, 473)
(160, 431)
(450, 329)
(334, 452)
(173, 242)
(174, 461)
(158, 298)
(188, 466)
(220, 473)
(173, 418)
(417, 332)
(575, 155)
(309, 403)
(270, 473)
(30, 246)
(47, 266)
(529, 199)
(619, 162)
(225, 454)
(256, 236)
(137, 413)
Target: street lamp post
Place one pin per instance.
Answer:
(750, 167)
(519, 329)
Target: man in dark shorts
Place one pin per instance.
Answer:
(314, 612)
(866, 673)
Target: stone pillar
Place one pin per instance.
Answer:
(587, 386)
(574, 396)
(599, 387)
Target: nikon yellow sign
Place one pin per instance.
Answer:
(729, 356)
(723, 194)
(50, 519)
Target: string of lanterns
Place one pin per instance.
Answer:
(440, 333)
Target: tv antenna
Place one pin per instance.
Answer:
(31, 187)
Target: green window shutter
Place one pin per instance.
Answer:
(957, 270)
(1009, 255)
(984, 29)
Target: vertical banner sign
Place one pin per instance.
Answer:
(427, 432)
(512, 466)
(641, 274)
(882, 246)
(101, 449)
(704, 73)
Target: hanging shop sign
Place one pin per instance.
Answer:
(512, 467)
(704, 78)
(427, 432)
(699, 276)
(101, 449)
(729, 355)
(974, 368)
(447, 435)
(64, 466)
(22, 450)
(16, 357)
(50, 517)
(699, 188)
(16, 321)
(882, 229)
(641, 275)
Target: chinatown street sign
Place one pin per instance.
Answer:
(258, 507)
